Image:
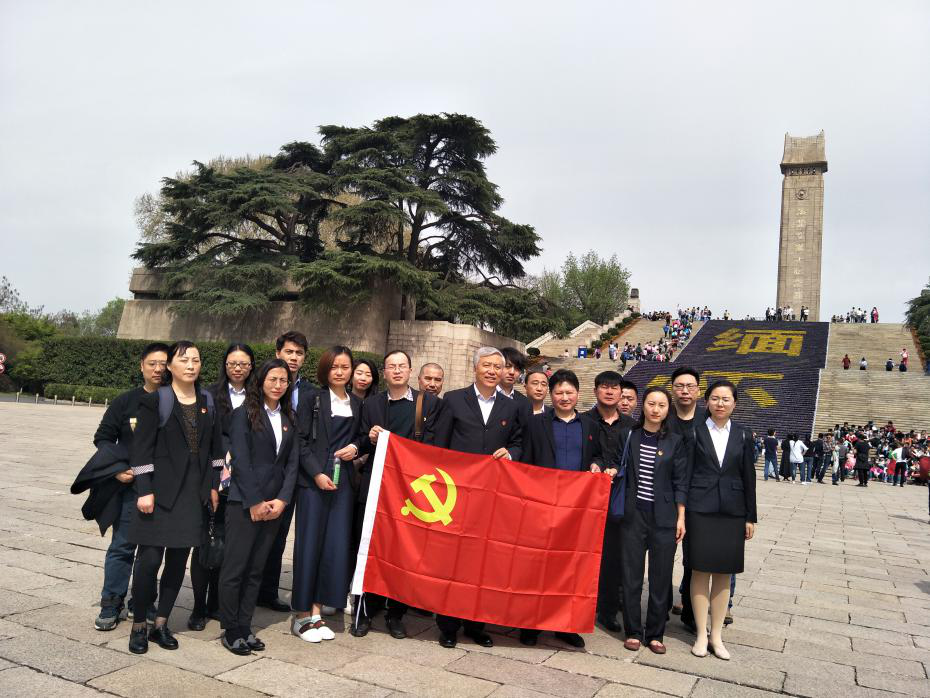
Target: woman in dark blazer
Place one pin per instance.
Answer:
(228, 393)
(177, 467)
(323, 535)
(721, 513)
(658, 471)
(265, 449)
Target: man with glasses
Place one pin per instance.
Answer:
(404, 412)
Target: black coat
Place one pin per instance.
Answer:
(159, 456)
(460, 426)
(539, 442)
(728, 489)
(116, 427)
(313, 415)
(106, 492)
(375, 413)
(611, 443)
(260, 472)
(670, 480)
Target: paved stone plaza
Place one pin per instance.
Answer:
(835, 601)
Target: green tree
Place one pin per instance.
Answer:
(917, 317)
(106, 322)
(599, 288)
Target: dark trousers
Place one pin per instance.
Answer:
(610, 581)
(372, 604)
(243, 565)
(271, 577)
(900, 469)
(863, 476)
(145, 573)
(639, 535)
(117, 565)
(687, 612)
(450, 626)
(204, 582)
(819, 469)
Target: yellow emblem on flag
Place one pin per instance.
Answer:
(441, 510)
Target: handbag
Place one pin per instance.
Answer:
(210, 554)
(617, 503)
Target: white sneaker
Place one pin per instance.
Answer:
(307, 630)
(326, 633)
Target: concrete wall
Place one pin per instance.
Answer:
(449, 345)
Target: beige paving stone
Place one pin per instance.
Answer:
(426, 652)
(855, 659)
(22, 682)
(68, 621)
(14, 602)
(795, 609)
(617, 690)
(887, 624)
(626, 673)
(538, 678)
(66, 658)
(814, 625)
(709, 688)
(397, 674)
(515, 692)
(17, 579)
(149, 679)
(203, 657)
(889, 682)
(324, 656)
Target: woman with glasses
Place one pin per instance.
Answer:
(177, 456)
(721, 513)
(265, 457)
(228, 393)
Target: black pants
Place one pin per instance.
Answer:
(204, 582)
(863, 476)
(372, 604)
(145, 573)
(450, 626)
(819, 470)
(687, 611)
(639, 535)
(243, 565)
(610, 582)
(900, 469)
(271, 577)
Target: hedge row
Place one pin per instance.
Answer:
(612, 332)
(108, 362)
(81, 393)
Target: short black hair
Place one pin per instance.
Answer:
(626, 384)
(152, 348)
(398, 351)
(298, 338)
(608, 378)
(771, 432)
(514, 357)
(563, 375)
(720, 384)
(686, 371)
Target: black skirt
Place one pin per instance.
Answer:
(714, 543)
(181, 526)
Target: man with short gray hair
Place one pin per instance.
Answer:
(431, 378)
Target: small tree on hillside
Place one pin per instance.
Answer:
(599, 288)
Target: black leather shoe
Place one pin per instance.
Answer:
(139, 641)
(573, 639)
(196, 623)
(396, 627)
(482, 639)
(528, 638)
(609, 623)
(689, 624)
(447, 641)
(162, 637)
(275, 605)
(361, 628)
(254, 643)
(240, 646)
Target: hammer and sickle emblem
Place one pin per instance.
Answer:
(441, 510)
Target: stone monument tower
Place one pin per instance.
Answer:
(801, 241)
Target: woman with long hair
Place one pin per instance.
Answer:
(325, 500)
(177, 456)
(229, 392)
(658, 472)
(721, 513)
(365, 378)
(265, 449)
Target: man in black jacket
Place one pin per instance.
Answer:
(116, 427)
(477, 419)
(404, 412)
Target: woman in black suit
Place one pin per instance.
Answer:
(228, 393)
(657, 477)
(265, 449)
(177, 456)
(323, 535)
(721, 513)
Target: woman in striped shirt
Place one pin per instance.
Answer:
(657, 475)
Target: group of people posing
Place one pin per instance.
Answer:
(235, 462)
(857, 315)
(787, 313)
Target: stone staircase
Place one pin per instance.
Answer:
(876, 342)
(582, 335)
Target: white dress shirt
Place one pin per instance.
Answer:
(720, 436)
(274, 416)
(339, 407)
(236, 397)
(406, 396)
(485, 404)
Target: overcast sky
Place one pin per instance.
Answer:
(652, 130)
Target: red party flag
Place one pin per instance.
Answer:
(488, 540)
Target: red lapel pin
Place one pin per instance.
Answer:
(503, 422)
(284, 427)
(203, 410)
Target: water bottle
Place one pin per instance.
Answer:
(337, 466)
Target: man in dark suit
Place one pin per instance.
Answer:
(514, 365)
(478, 419)
(408, 413)
(817, 449)
(292, 348)
(611, 422)
(564, 440)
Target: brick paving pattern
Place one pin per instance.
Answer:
(835, 601)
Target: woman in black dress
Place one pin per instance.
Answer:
(228, 393)
(177, 456)
(721, 513)
(323, 534)
(265, 457)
